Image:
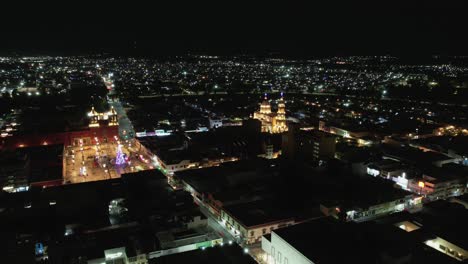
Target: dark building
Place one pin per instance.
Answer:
(397, 239)
(40, 166)
(308, 145)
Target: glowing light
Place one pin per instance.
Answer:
(430, 243)
(114, 255)
(421, 184)
(83, 171)
(119, 159)
(8, 188)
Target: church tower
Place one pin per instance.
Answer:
(94, 118)
(265, 107)
(112, 116)
(281, 116)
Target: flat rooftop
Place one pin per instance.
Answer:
(155, 143)
(387, 164)
(413, 155)
(49, 119)
(45, 162)
(227, 254)
(449, 171)
(227, 175)
(260, 212)
(328, 241)
(153, 174)
(458, 143)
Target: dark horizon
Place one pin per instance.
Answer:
(300, 30)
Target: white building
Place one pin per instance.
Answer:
(390, 170)
(119, 255)
(248, 222)
(278, 250)
(215, 123)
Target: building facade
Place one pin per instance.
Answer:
(272, 122)
(312, 145)
(251, 234)
(278, 250)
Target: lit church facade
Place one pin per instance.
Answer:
(272, 122)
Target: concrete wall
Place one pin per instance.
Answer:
(282, 252)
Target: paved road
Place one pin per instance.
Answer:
(125, 126)
(213, 223)
(254, 250)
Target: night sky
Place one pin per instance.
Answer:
(234, 27)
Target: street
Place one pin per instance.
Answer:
(255, 250)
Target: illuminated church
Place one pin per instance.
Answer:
(272, 122)
(96, 117)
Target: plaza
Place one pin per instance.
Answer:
(98, 160)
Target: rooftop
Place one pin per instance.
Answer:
(329, 241)
(260, 212)
(227, 175)
(387, 165)
(46, 162)
(449, 171)
(227, 254)
(444, 143)
(413, 156)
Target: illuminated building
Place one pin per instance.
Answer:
(390, 170)
(95, 117)
(447, 248)
(251, 221)
(440, 183)
(101, 125)
(272, 122)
